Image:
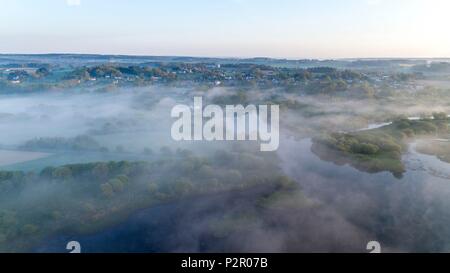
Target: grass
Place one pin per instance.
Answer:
(380, 149)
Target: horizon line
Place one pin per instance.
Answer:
(221, 57)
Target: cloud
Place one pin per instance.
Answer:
(72, 3)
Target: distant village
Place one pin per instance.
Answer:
(308, 80)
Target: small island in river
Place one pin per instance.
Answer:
(380, 149)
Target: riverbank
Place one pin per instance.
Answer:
(379, 149)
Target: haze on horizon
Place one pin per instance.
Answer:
(228, 28)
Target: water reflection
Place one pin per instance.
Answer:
(411, 214)
(407, 214)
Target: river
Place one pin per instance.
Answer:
(408, 214)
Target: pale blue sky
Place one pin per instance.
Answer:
(239, 28)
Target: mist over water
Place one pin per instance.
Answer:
(406, 214)
(100, 167)
(347, 207)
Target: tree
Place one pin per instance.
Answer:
(182, 187)
(62, 173)
(100, 171)
(366, 148)
(123, 178)
(440, 116)
(42, 72)
(117, 185)
(107, 190)
(47, 172)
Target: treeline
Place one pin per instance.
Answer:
(22, 75)
(87, 197)
(434, 67)
(79, 143)
(230, 73)
(332, 87)
(115, 72)
(315, 80)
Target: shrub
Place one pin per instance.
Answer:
(440, 116)
(365, 148)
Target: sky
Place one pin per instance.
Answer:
(291, 29)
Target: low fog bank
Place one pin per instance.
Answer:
(339, 209)
(144, 113)
(68, 115)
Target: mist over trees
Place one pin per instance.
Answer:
(88, 152)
